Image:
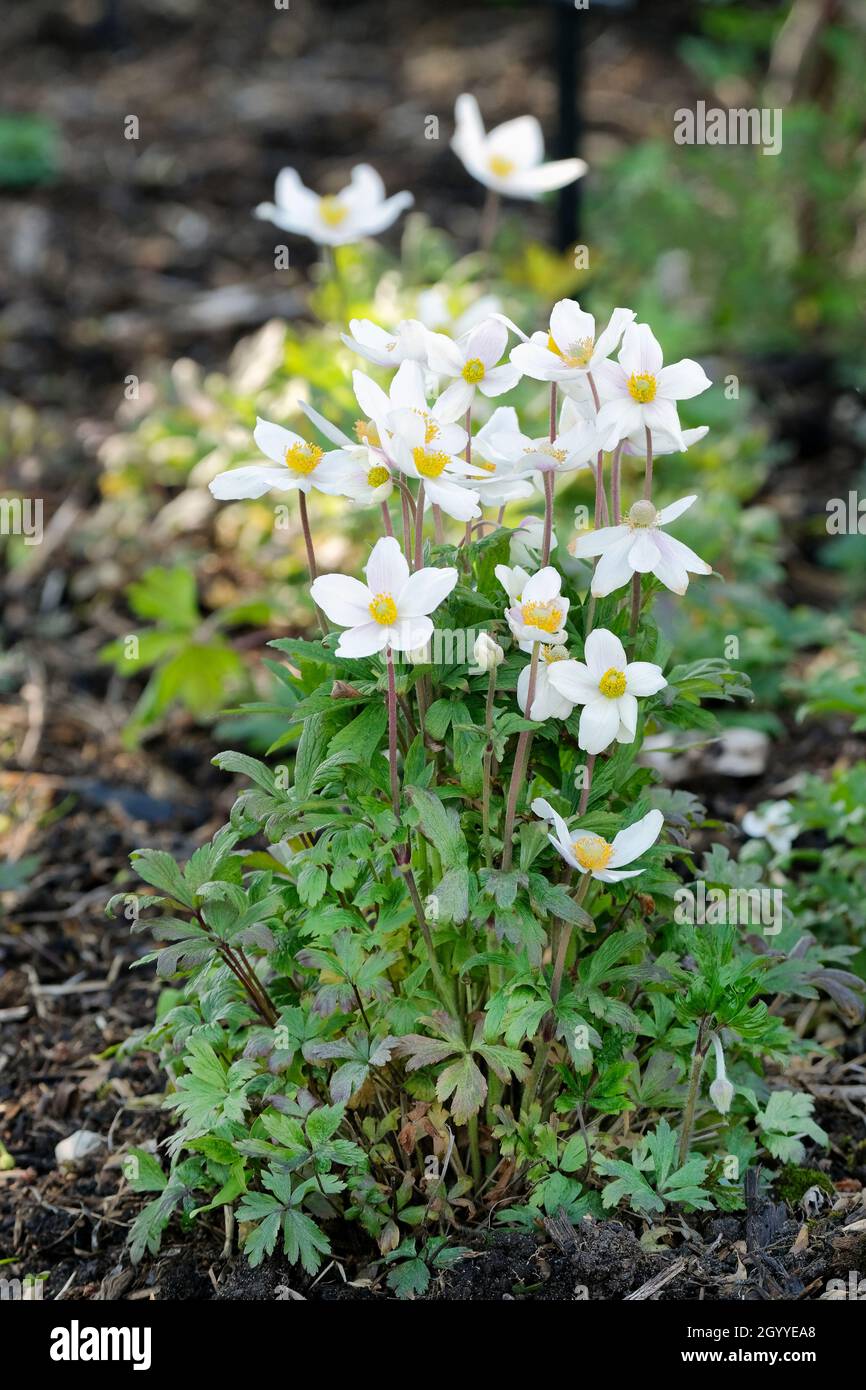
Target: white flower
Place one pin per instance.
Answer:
(774, 822)
(607, 685)
(547, 702)
(407, 393)
(472, 362)
(721, 1090)
(592, 854)
(539, 614)
(639, 546)
(359, 210)
(639, 393)
(390, 610)
(571, 449)
(664, 443)
(571, 348)
(299, 464)
(508, 159)
(358, 471)
(513, 580)
(407, 342)
(487, 653)
(505, 478)
(434, 310)
(527, 541)
(434, 466)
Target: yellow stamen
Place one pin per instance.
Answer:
(482, 463)
(545, 616)
(642, 387)
(550, 654)
(547, 448)
(431, 428)
(383, 610)
(367, 433)
(612, 683)
(577, 354)
(332, 212)
(592, 852)
(378, 475)
(499, 165)
(429, 464)
(303, 458)
(642, 514)
(473, 371)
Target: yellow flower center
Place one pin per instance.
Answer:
(366, 433)
(612, 683)
(499, 165)
(642, 387)
(642, 514)
(577, 354)
(551, 654)
(549, 449)
(545, 616)
(592, 852)
(332, 212)
(473, 371)
(303, 458)
(429, 464)
(431, 428)
(383, 610)
(378, 475)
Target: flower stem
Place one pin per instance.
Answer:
(585, 789)
(648, 475)
(392, 732)
(489, 219)
(311, 555)
(386, 520)
(419, 528)
(697, 1067)
(474, 1150)
(615, 486)
(487, 765)
(521, 754)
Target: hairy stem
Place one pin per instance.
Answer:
(697, 1067)
(521, 754)
(311, 555)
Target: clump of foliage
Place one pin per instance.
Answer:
(434, 969)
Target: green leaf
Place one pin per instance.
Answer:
(440, 826)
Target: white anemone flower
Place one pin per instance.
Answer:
(359, 210)
(547, 702)
(607, 684)
(407, 342)
(639, 393)
(571, 449)
(506, 478)
(539, 614)
(527, 541)
(487, 653)
(510, 158)
(359, 471)
(442, 474)
(472, 361)
(407, 392)
(721, 1090)
(391, 610)
(570, 349)
(295, 463)
(592, 854)
(640, 546)
(774, 822)
(513, 580)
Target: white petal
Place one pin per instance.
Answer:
(603, 650)
(370, 396)
(599, 721)
(253, 481)
(346, 601)
(425, 590)
(544, 585)
(573, 681)
(643, 678)
(644, 553)
(610, 336)
(570, 324)
(410, 633)
(363, 641)
(544, 178)
(331, 432)
(640, 350)
(498, 380)
(458, 502)
(487, 342)
(627, 707)
(456, 398)
(443, 356)
(387, 570)
(519, 140)
(685, 556)
(613, 569)
(596, 542)
(407, 387)
(629, 844)
(675, 509)
(274, 440)
(682, 380)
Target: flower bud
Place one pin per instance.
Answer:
(721, 1094)
(487, 653)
